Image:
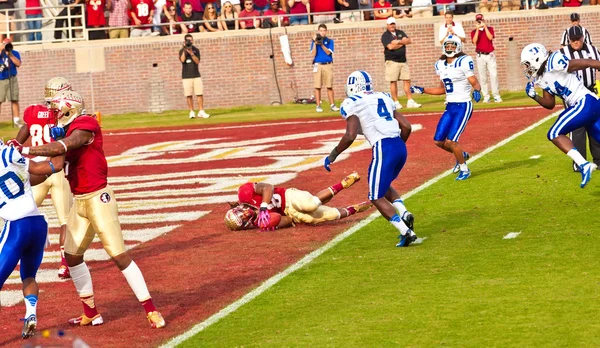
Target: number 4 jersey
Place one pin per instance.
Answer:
(36, 118)
(558, 81)
(455, 77)
(375, 111)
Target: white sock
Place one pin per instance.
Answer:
(82, 279)
(30, 305)
(399, 205)
(464, 167)
(576, 156)
(399, 224)
(136, 281)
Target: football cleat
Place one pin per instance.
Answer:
(363, 206)
(456, 169)
(156, 320)
(409, 220)
(63, 272)
(463, 175)
(586, 173)
(29, 326)
(83, 320)
(406, 239)
(350, 180)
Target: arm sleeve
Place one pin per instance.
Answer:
(558, 62)
(460, 31)
(563, 41)
(491, 29)
(347, 108)
(27, 115)
(312, 46)
(385, 39)
(330, 46)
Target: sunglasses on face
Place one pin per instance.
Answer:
(210, 8)
(248, 4)
(227, 6)
(171, 9)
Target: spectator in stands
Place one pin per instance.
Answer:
(510, 5)
(366, 6)
(482, 37)
(488, 6)
(118, 18)
(159, 6)
(167, 5)
(7, 5)
(451, 27)
(94, 15)
(299, 12)
(196, 7)
(235, 3)
(444, 6)
(350, 10)
(382, 9)
(277, 17)
(249, 13)
(189, 15)
(422, 8)
(10, 60)
(189, 55)
(60, 23)
(574, 23)
(211, 19)
(405, 12)
(261, 5)
(464, 7)
(319, 6)
(34, 19)
(228, 19)
(169, 27)
(142, 13)
(321, 49)
(396, 69)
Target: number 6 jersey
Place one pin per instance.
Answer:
(455, 77)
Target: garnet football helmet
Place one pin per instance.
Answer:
(65, 107)
(240, 217)
(56, 84)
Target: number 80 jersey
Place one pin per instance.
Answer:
(558, 81)
(36, 118)
(375, 111)
(455, 77)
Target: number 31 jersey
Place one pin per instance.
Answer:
(36, 117)
(375, 111)
(455, 77)
(558, 81)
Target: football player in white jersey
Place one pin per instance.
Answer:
(554, 73)
(374, 115)
(458, 79)
(25, 230)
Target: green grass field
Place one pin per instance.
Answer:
(464, 286)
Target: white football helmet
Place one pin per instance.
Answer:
(358, 82)
(240, 217)
(451, 46)
(532, 58)
(65, 107)
(56, 84)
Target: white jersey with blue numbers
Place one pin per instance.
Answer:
(455, 77)
(16, 198)
(558, 81)
(375, 111)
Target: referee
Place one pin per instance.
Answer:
(575, 23)
(579, 49)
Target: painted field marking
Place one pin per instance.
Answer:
(512, 235)
(535, 157)
(313, 255)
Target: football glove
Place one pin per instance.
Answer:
(327, 163)
(13, 143)
(530, 90)
(57, 133)
(417, 90)
(476, 96)
(263, 216)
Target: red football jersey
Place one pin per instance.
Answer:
(142, 9)
(36, 118)
(95, 12)
(86, 167)
(246, 194)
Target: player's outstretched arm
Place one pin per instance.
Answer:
(74, 141)
(433, 90)
(352, 126)
(405, 127)
(41, 170)
(265, 190)
(580, 64)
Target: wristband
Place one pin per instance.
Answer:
(25, 151)
(263, 205)
(63, 144)
(333, 155)
(52, 167)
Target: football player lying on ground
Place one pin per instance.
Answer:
(287, 206)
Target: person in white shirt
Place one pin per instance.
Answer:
(422, 8)
(451, 28)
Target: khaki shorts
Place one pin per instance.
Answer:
(6, 94)
(3, 26)
(60, 192)
(324, 76)
(141, 32)
(118, 33)
(302, 206)
(396, 71)
(193, 87)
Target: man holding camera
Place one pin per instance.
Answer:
(321, 48)
(189, 55)
(10, 60)
(482, 37)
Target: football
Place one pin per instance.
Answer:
(274, 219)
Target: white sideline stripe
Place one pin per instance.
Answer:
(535, 157)
(512, 235)
(313, 255)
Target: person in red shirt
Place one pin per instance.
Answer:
(248, 12)
(141, 13)
(258, 201)
(299, 11)
(95, 18)
(32, 13)
(382, 9)
(572, 3)
(319, 6)
(482, 37)
(79, 144)
(277, 17)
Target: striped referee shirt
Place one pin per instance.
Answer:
(586, 37)
(588, 75)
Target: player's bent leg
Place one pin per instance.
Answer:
(302, 201)
(326, 195)
(388, 211)
(355, 208)
(82, 279)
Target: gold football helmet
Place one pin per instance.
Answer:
(65, 107)
(240, 217)
(56, 84)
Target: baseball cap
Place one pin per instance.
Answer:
(478, 17)
(574, 17)
(575, 33)
(6, 41)
(274, 2)
(391, 20)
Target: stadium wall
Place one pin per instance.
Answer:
(144, 74)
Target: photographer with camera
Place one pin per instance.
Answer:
(321, 48)
(189, 55)
(482, 37)
(10, 60)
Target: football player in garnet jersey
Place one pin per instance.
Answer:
(293, 205)
(79, 144)
(36, 126)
